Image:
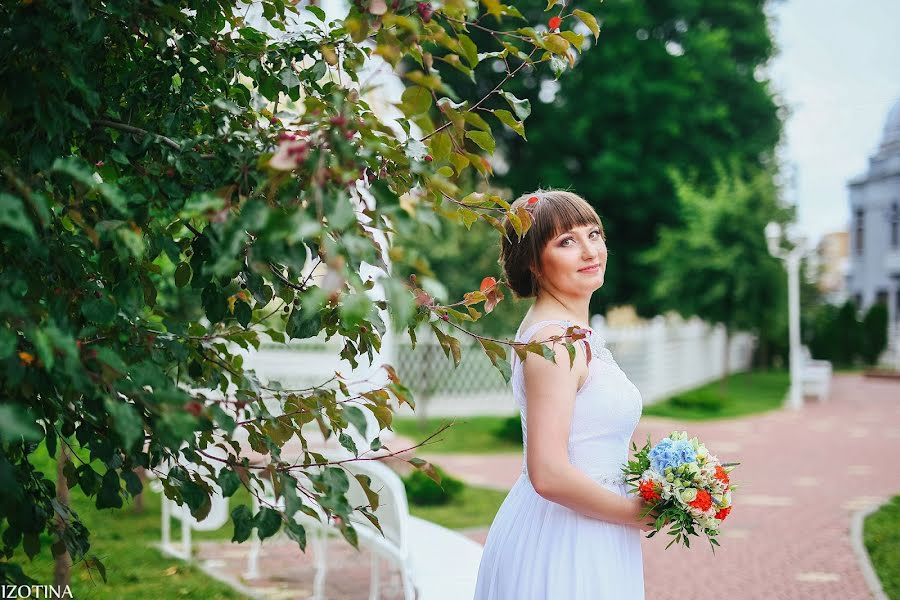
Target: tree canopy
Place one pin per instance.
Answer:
(181, 182)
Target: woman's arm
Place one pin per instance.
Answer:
(550, 390)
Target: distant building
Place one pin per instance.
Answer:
(833, 254)
(874, 274)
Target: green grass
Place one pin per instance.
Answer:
(466, 435)
(747, 394)
(474, 507)
(881, 536)
(122, 539)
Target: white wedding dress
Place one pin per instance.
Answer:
(540, 550)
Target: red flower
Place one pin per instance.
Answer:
(532, 200)
(554, 23)
(722, 513)
(647, 490)
(721, 474)
(703, 500)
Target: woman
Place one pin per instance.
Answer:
(569, 528)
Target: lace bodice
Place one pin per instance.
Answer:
(607, 409)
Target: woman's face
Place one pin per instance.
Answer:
(574, 262)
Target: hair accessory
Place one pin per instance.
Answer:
(533, 199)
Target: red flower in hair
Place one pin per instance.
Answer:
(532, 200)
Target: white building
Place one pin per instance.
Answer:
(874, 273)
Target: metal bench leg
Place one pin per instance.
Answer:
(375, 578)
(320, 542)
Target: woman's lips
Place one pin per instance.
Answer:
(593, 269)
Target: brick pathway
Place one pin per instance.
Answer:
(802, 476)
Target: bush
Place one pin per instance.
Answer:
(703, 400)
(422, 491)
(873, 340)
(510, 430)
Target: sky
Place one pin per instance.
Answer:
(838, 71)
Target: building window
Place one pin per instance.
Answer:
(895, 225)
(858, 233)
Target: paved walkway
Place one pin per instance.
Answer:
(803, 475)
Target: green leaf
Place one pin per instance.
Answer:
(440, 145)
(483, 139)
(182, 274)
(243, 523)
(13, 215)
(243, 313)
(551, 4)
(506, 117)
(89, 480)
(318, 12)
(556, 44)
(99, 311)
(522, 108)
(469, 50)
(301, 324)
(16, 422)
(31, 543)
(296, 532)
(415, 100)
(589, 20)
(229, 482)
(268, 522)
(356, 418)
(127, 421)
(110, 495)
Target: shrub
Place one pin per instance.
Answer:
(873, 340)
(422, 491)
(703, 400)
(510, 430)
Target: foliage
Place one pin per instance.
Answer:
(182, 181)
(749, 393)
(717, 265)
(510, 429)
(703, 400)
(881, 536)
(473, 507)
(874, 328)
(672, 85)
(838, 335)
(422, 490)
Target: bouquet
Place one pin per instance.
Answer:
(683, 485)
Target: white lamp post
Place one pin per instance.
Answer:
(791, 259)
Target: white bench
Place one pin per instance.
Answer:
(815, 376)
(435, 563)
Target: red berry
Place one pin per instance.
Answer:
(194, 407)
(428, 158)
(425, 11)
(338, 121)
(555, 22)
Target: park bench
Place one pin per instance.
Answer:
(434, 563)
(815, 376)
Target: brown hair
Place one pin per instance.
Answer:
(554, 212)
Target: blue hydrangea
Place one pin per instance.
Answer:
(668, 453)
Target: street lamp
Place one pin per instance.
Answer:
(791, 259)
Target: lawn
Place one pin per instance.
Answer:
(881, 536)
(746, 394)
(474, 507)
(121, 539)
(465, 435)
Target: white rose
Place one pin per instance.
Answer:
(702, 452)
(688, 494)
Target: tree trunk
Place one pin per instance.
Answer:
(62, 568)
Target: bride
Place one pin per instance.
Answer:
(569, 527)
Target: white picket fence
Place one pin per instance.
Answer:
(662, 357)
